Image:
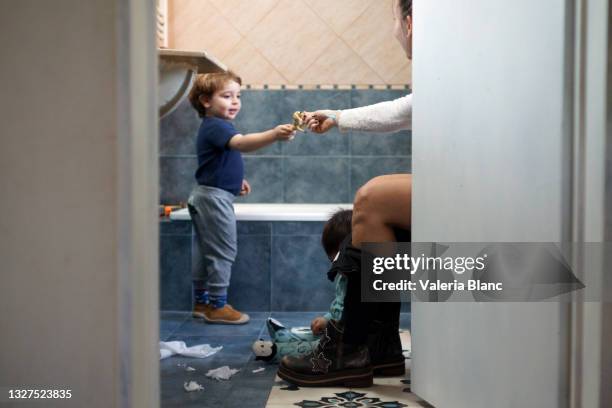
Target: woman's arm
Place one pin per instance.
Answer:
(390, 116)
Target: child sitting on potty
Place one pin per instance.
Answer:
(220, 178)
(301, 341)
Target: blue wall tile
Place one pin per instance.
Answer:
(364, 169)
(299, 283)
(178, 131)
(261, 111)
(265, 175)
(381, 144)
(254, 228)
(176, 178)
(316, 180)
(167, 226)
(364, 97)
(250, 284)
(332, 143)
(297, 228)
(175, 272)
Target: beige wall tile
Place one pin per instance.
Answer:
(244, 14)
(294, 42)
(291, 37)
(247, 62)
(403, 76)
(339, 65)
(339, 14)
(197, 25)
(371, 36)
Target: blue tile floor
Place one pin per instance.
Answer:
(245, 389)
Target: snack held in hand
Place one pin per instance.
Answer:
(298, 121)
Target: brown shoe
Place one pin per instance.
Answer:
(223, 315)
(198, 310)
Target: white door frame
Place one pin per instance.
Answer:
(591, 116)
(137, 168)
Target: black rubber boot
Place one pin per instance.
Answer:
(333, 363)
(385, 348)
(356, 315)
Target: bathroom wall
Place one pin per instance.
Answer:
(280, 266)
(291, 42)
(310, 169)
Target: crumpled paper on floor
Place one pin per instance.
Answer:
(221, 373)
(192, 386)
(170, 348)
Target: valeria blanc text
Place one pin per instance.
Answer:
(437, 285)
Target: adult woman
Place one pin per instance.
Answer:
(366, 342)
(384, 202)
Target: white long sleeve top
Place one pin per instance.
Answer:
(389, 116)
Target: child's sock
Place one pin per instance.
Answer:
(218, 301)
(200, 294)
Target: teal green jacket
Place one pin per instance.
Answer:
(288, 343)
(337, 305)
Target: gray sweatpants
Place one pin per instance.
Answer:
(212, 214)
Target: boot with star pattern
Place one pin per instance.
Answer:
(332, 363)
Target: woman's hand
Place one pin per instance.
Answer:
(284, 132)
(318, 325)
(322, 120)
(245, 189)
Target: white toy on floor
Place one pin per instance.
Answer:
(264, 350)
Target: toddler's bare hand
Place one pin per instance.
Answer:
(318, 325)
(245, 189)
(285, 132)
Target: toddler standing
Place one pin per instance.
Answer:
(220, 178)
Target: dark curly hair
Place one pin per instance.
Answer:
(405, 7)
(335, 230)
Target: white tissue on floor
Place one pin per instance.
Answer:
(221, 373)
(259, 370)
(190, 369)
(192, 386)
(170, 348)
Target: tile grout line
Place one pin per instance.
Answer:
(172, 332)
(271, 267)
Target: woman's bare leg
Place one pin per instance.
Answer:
(382, 204)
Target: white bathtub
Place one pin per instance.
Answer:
(277, 212)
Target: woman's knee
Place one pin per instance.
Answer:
(367, 195)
